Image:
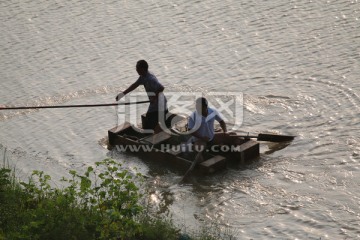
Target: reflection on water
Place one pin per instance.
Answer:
(273, 147)
(296, 64)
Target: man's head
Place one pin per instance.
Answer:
(142, 67)
(201, 104)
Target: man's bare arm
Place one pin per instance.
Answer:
(223, 126)
(131, 88)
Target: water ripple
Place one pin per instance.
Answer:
(295, 62)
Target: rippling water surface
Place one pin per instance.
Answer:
(296, 62)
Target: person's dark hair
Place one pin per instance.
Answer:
(202, 101)
(142, 64)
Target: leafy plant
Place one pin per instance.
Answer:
(113, 196)
(100, 204)
(103, 203)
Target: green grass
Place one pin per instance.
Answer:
(103, 203)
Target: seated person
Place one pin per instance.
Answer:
(201, 126)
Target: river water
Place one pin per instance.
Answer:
(297, 64)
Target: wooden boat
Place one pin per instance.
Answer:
(171, 148)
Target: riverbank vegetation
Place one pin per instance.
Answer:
(103, 203)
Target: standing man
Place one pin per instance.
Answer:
(154, 89)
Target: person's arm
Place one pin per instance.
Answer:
(223, 126)
(161, 89)
(129, 89)
(155, 97)
(219, 118)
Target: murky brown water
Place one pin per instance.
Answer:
(296, 62)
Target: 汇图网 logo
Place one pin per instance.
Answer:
(228, 104)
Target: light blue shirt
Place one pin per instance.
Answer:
(204, 125)
(152, 85)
